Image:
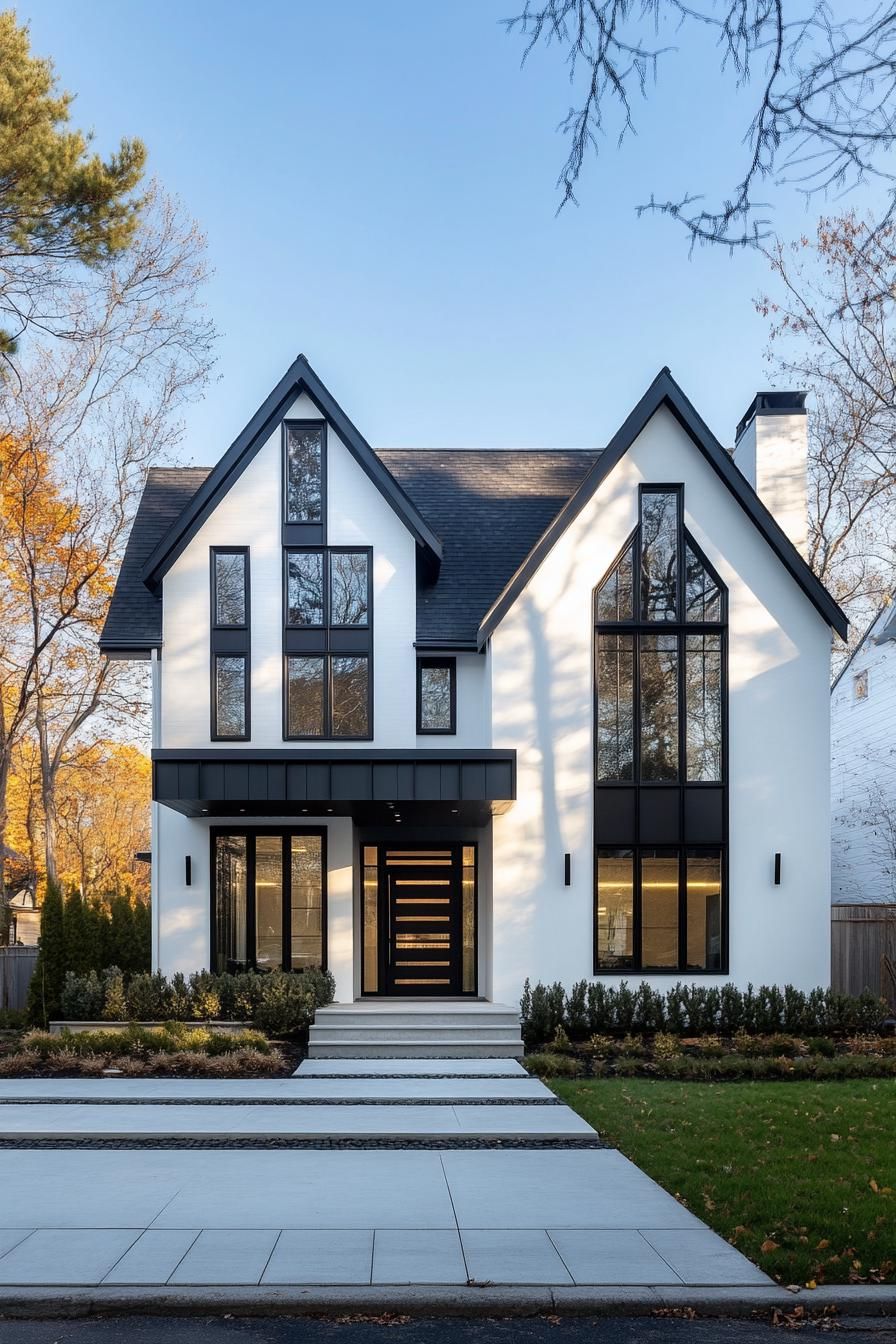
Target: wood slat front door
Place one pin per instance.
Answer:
(423, 895)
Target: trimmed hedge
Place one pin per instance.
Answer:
(278, 1003)
(143, 1041)
(593, 1008)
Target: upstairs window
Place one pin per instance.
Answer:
(230, 595)
(304, 471)
(436, 695)
(328, 643)
(230, 643)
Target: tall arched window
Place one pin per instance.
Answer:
(661, 816)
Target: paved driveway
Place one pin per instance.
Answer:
(140, 1198)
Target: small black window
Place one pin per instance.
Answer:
(304, 492)
(229, 642)
(304, 588)
(230, 695)
(436, 695)
(230, 596)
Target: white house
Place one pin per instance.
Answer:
(442, 720)
(863, 769)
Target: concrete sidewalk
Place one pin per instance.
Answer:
(240, 1217)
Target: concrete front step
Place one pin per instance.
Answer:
(416, 1028)
(340, 1017)
(444, 1048)
(324, 1032)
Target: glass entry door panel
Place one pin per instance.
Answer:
(424, 922)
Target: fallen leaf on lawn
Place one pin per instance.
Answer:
(823, 1244)
(874, 1185)
(768, 1245)
(811, 1283)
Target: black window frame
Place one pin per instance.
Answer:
(683, 823)
(250, 832)
(296, 532)
(328, 641)
(230, 641)
(451, 665)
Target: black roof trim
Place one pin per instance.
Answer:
(664, 391)
(299, 377)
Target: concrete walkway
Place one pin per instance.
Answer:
(117, 1210)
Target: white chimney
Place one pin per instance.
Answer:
(771, 449)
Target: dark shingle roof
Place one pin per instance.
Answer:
(134, 620)
(488, 507)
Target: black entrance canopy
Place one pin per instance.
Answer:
(417, 787)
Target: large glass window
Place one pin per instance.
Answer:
(269, 900)
(229, 640)
(660, 750)
(304, 473)
(328, 643)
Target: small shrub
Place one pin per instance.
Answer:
(320, 984)
(821, 1045)
(205, 1001)
(82, 997)
(633, 1046)
(551, 1065)
(601, 1045)
(147, 997)
(666, 1046)
(284, 1008)
(560, 1044)
(115, 1007)
(179, 1005)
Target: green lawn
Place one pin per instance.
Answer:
(799, 1176)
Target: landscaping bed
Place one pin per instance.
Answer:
(796, 1177)
(715, 1058)
(171, 1050)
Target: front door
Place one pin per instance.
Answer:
(424, 921)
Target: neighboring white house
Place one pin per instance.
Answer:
(863, 769)
(447, 719)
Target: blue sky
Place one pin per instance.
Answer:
(377, 184)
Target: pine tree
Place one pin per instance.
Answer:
(77, 934)
(143, 935)
(45, 989)
(60, 204)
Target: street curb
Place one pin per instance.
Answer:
(30, 1302)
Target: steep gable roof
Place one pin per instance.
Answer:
(299, 377)
(489, 506)
(664, 391)
(134, 619)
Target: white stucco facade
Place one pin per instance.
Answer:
(529, 692)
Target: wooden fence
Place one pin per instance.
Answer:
(863, 949)
(16, 969)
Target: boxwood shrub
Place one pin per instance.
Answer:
(593, 1008)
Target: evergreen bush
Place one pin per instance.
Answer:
(599, 1009)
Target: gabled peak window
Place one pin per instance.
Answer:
(230, 643)
(304, 467)
(660, 752)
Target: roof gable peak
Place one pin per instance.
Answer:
(664, 391)
(299, 377)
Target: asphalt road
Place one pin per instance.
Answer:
(366, 1330)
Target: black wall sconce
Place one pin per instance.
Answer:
(777, 870)
(188, 870)
(567, 869)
